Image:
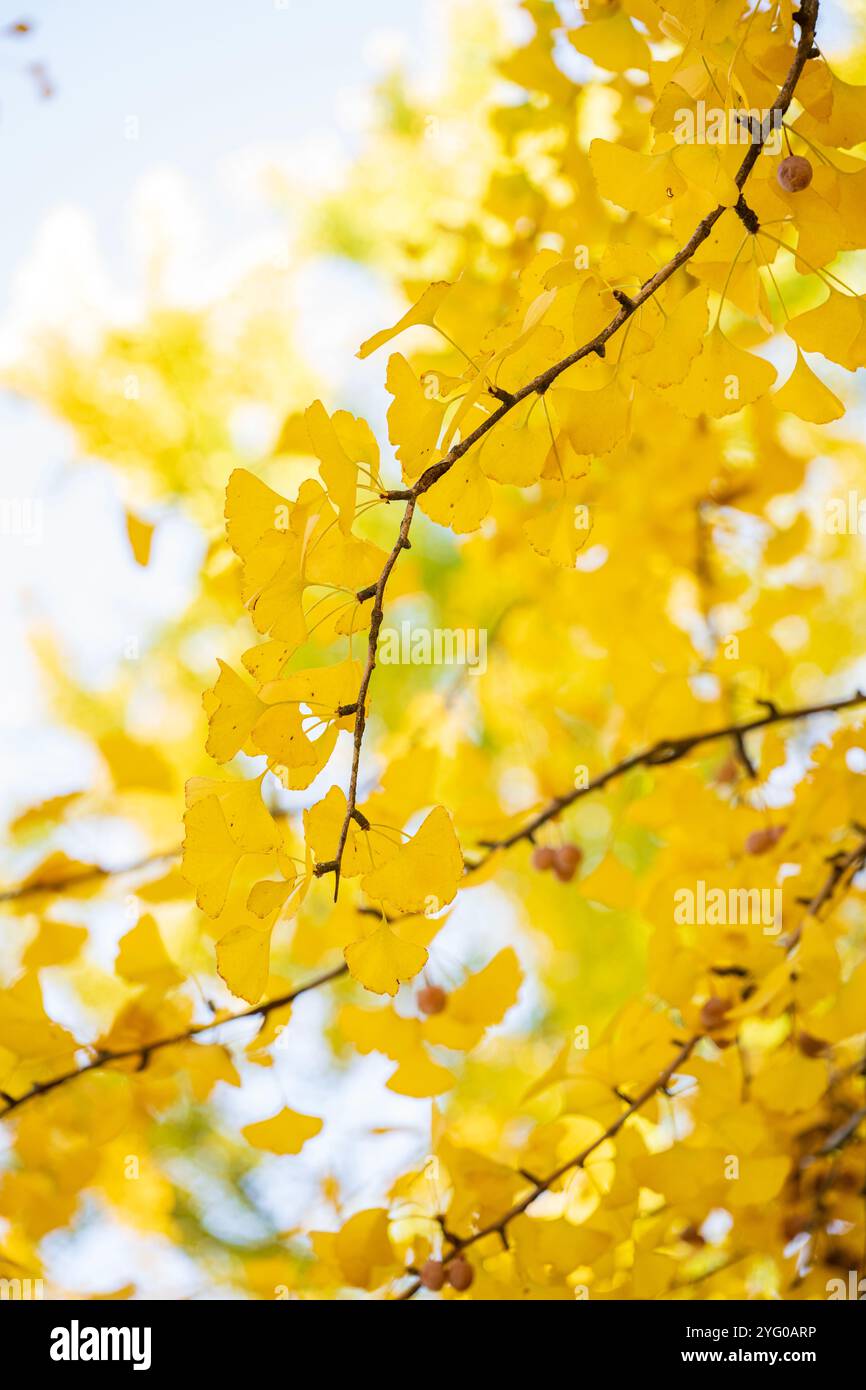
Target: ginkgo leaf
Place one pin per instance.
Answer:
(268, 896)
(339, 472)
(55, 943)
(143, 959)
(252, 510)
(723, 379)
(380, 1030)
(515, 451)
(483, 1000)
(844, 123)
(425, 871)
(422, 311)
(806, 396)
(140, 535)
(210, 855)
(322, 826)
(250, 823)
(642, 183)
(414, 418)
(595, 421)
(243, 960)
(834, 328)
(559, 531)
(232, 709)
(612, 42)
(678, 344)
(461, 498)
(381, 960)
(284, 1133)
(417, 1075)
(362, 1246)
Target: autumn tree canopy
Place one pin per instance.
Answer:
(489, 922)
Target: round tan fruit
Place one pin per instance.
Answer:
(433, 1275)
(794, 173)
(460, 1274)
(543, 857)
(432, 999)
(713, 1012)
(567, 861)
(761, 840)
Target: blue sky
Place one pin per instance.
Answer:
(204, 79)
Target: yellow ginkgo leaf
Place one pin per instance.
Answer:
(515, 450)
(834, 328)
(140, 535)
(786, 544)
(722, 380)
(284, 1133)
(461, 498)
(806, 396)
(678, 344)
(595, 421)
(560, 531)
(414, 418)
(418, 1076)
(232, 709)
(339, 472)
(362, 1246)
(791, 1085)
(482, 1001)
(380, 1030)
(243, 960)
(381, 960)
(425, 873)
(642, 183)
(142, 958)
(422, 311)
(322, 825)
(759, 1179)
(613, 43)
(54, 944)
(210, 855)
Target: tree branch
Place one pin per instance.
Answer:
(660, 754)
(499, 1227)
(807, 18)
(665, 751)
(144, 1052)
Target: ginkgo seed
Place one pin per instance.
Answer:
(759, 841)
(543, 857)
(713, 1012)
(566, 862)
(794, 173)
(432, 1275)
(460, 1274)
(432, 999)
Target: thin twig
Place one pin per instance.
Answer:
(660, 754)
(144, 1051)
